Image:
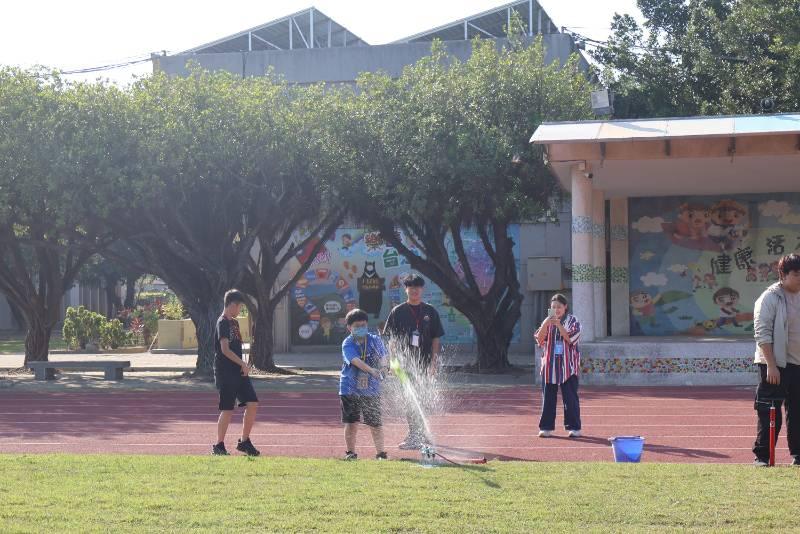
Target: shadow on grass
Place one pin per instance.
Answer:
(475, 470)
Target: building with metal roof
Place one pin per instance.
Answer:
(309, 28)
(311, 47)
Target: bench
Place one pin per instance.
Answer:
(47, 370)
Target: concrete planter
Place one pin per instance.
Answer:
(182, 334)
(176, 334)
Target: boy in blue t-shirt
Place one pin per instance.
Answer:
(364, 360)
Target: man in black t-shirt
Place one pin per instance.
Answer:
(414, 330)
(231, 376)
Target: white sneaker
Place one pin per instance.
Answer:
(574, 433)
(545, 433)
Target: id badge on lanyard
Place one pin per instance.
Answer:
(558, 349)
(415, 338)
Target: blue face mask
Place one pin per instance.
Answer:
(360, 331)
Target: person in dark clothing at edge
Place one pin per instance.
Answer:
(777, 334)
(231, 377)
(414, 330)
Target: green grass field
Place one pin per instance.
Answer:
(16, 345)
(58, 493)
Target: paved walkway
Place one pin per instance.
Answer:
(146, 361)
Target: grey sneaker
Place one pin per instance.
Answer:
(760, 463)
(349, 456)
(574, 433)
(545, 433)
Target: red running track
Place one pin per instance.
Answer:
(679, 424)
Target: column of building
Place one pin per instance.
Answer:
(583, 269)
(620, 285)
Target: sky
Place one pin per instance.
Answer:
(76, 34)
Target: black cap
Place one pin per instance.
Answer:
(414, 280)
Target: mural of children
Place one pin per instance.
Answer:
(774, 271)
(326, 325)
(710, 280)
(692, 222)
(347, 242)
(752, 274)
(727, 298)
(644, 306)
(729, 224)
(763, 272)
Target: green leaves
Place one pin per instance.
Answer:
(704, 57)
(438, 141)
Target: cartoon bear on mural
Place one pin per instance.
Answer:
(370, 289)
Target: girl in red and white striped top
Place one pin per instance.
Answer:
(561, 360)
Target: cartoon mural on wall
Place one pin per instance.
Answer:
(356, 268)
(699, 263)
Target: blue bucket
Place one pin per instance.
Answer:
(627, 448)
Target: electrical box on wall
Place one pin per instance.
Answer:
(544, 274)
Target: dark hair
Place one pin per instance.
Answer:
(414, 280)
(725, 292)
(789, 263)
(355, 315)
(558, 297)
(233, 296)
(348, 236)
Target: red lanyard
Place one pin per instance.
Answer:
(414, 313)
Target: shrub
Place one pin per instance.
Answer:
(113, 335)
(81, 327)
(172, 309)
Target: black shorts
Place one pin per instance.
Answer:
(232, 388)
(356, 406)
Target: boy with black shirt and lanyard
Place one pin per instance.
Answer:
(415, 328)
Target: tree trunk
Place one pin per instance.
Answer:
(130, 292)
(113, 303)
(37, 341)
(492, 315)
(205, 321)
(263, 346)
(493, 342)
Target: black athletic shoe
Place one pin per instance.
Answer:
(349, 456)
(219, 450)
(796, 461)
(246, 447)
(381, 456)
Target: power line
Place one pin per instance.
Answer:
(605, 45)
(110, 66)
